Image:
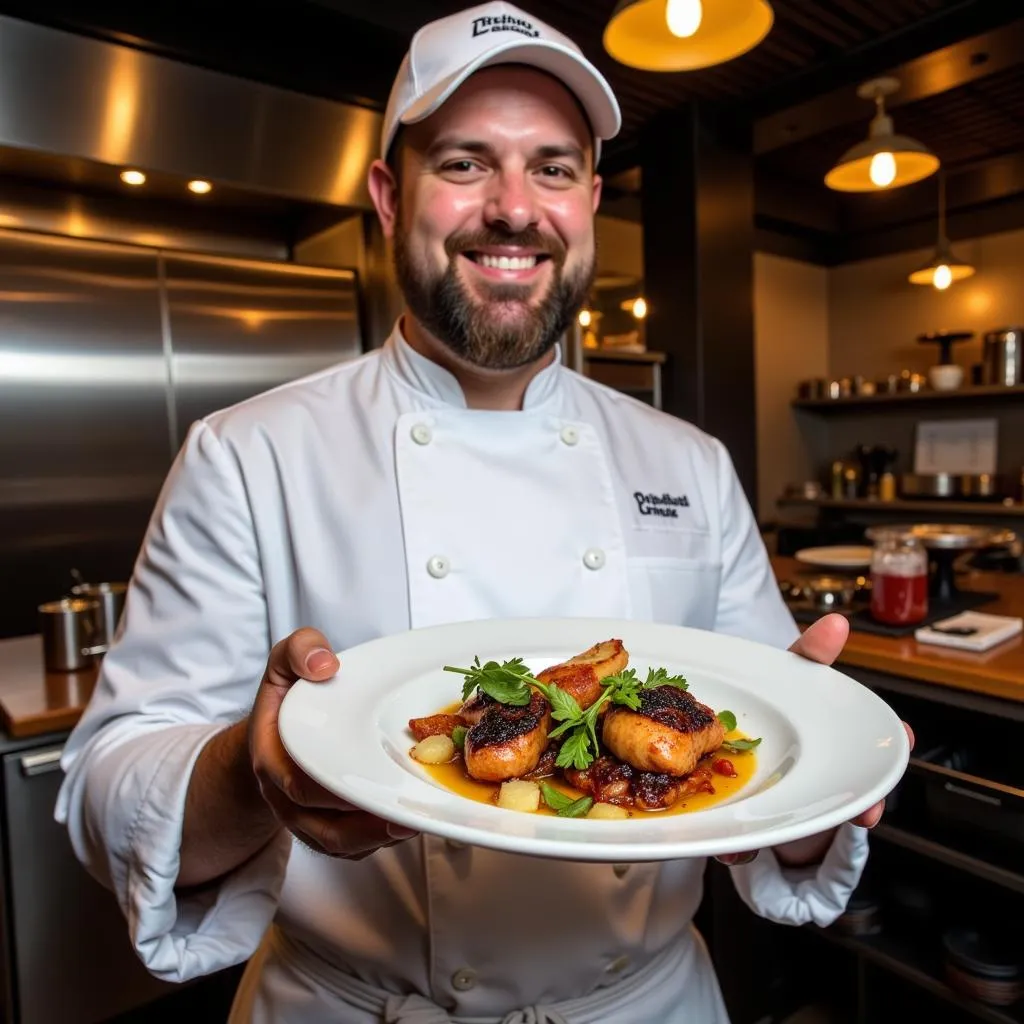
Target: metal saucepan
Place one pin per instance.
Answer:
(110, 598)
(70, 631)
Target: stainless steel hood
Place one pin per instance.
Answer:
(68, 95)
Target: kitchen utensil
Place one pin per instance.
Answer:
(1003, 356)
(928, 485)
(829, 593)
(69, 629)
(984, 965)
(110, 599)
(945, 340)
(946, 378)
(836, 556)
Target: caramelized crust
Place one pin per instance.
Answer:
(581, 675)
(670, 732)
(507, 741)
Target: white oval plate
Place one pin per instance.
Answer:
(837, 557)
(830, 747)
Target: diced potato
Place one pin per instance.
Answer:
(519, 795)
(434, 750)
(607, 811)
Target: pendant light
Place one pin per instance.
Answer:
(883, 159)
(681, 35)
(943, 268)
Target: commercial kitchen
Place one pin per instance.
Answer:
(810, 245)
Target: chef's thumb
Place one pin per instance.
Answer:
(305, 654)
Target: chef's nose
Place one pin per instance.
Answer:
(512, 203)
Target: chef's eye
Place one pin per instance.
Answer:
(555, 171)
(461, 167)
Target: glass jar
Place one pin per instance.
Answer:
(899, 580)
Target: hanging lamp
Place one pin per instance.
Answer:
(883, 159)
(682, 35)
(943, 268)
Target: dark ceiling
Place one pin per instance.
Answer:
(798, 86)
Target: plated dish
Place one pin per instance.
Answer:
(816, 748)
(588, 737)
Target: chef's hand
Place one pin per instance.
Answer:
(311, 813)
(821, 642)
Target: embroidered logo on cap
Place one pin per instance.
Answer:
(506, 23)
(665, 505)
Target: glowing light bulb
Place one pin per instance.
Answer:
(883, 169)
(943, 277)
(133, 177)
(200, 187)
(585, 318)
(640, 309)
(683, 17)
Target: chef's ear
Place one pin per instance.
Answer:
(383, 186)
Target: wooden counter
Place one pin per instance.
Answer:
(998, 672)
(34, 701)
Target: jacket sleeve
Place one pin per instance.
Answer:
(817, 894)
(189, 654)
(751, 605)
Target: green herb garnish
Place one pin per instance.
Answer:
(565, 806)
(737, 746)
(459, 736)
(507, 683)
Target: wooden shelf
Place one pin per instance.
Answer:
(900, 958)
(960, 508)
(948, 855)
(927, 397)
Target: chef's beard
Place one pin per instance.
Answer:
(481, 332)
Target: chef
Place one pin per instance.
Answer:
(457, 472)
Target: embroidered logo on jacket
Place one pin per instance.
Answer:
(666, 505)
(505, 23)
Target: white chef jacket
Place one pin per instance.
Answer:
(364, 500)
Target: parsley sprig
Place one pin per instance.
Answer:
(737, 746)
(510, 682)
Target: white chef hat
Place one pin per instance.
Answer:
(444, 53)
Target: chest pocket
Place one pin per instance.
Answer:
(676, 581)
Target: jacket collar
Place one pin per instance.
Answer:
(439, 387)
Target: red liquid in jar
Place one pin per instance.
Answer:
(899, 600)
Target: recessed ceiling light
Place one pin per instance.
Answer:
(133, 177)
(200, 187)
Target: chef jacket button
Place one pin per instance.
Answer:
(464, 979)
(422, 434)
(438, 567)
(593, 558)
(618, 965)
(620, 870)
(570, 435)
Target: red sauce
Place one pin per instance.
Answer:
(899, 600)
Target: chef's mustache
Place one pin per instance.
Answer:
(528, 238)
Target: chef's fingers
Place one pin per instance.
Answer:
(351, 835)
(823, 640)
(285, 783)
(732, 860)
(871, 817)
(304, 654)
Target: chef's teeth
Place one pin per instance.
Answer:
(508, 262)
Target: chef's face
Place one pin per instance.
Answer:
(492, 216)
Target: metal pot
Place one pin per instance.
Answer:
(69, 628)
(110, 598)
(935, 485)
(1003, 357)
